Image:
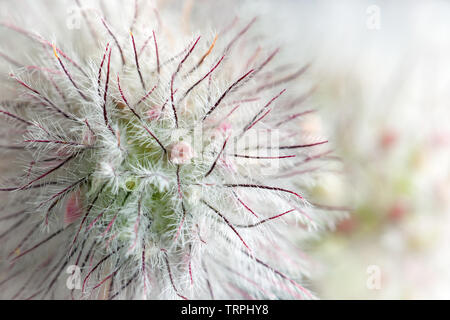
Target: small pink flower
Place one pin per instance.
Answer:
(181, 153)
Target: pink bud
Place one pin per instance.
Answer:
(181, 152)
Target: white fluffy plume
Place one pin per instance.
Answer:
(154, 157)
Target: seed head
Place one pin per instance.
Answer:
(159, 164)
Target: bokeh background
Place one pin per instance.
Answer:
(382, 70)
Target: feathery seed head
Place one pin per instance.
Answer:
(160, 165)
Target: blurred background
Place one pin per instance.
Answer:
(382, 76)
